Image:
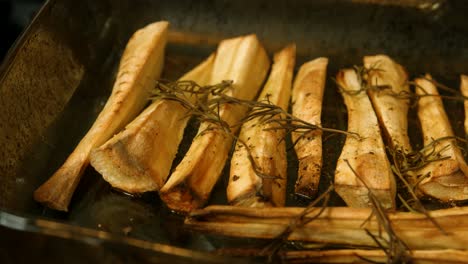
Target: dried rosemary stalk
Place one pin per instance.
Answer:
(307, 98)
(244, 61)
(445, 179)
(139, 158)
(140, 67)
(258, 166)
(365, 154)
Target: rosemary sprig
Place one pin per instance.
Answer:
(364, 72)
(275, 118)
(395, 249)
(362, 75)
(457, 95)
(196, 99)
(206, 107)
(403, 167)
(204, 103)
(418, 159)
(297, 222)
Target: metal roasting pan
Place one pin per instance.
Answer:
(59, 73)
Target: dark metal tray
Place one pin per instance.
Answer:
(55, 80)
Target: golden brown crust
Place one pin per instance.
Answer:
(244, 61)
(390, 79)
(267, 148)
(464, 91)
(363, 165)
(445, 179)
(140, 66)
(139, 158)
(307, 100)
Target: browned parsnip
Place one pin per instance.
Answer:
(140, 66)
(139, 158)
(355, 256)
(307, 97)
(244, 61)
(445, 179)
(363, 166)
(266, 148)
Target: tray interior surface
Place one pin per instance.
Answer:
(89, 37)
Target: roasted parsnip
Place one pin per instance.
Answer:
(316, 253)
(140, 67)
(464, 91)
(389, 83)
(337, 225)
(363, 165)
(307, 98)
(259, 150)
(365, 256)
(244, 61)
(445, 179)
(139, 158)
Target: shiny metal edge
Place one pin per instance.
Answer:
(98, 238)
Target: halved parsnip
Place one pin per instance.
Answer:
(363, 165)
(320, 253)
(336, 225)
(445, 179)
(244, 61)
(140, 67)
(365, 256)
(307, 99)
(266, 147)
(139, 158)
(464, 90)
(391, 111)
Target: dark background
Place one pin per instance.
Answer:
(15, 15)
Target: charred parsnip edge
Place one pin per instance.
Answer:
(389, 85)
(363, 165)
(307, 97)
(139, 158)
(261, 150)
(336, 225)
(445, 179)
(244, 61)
(140, 66)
